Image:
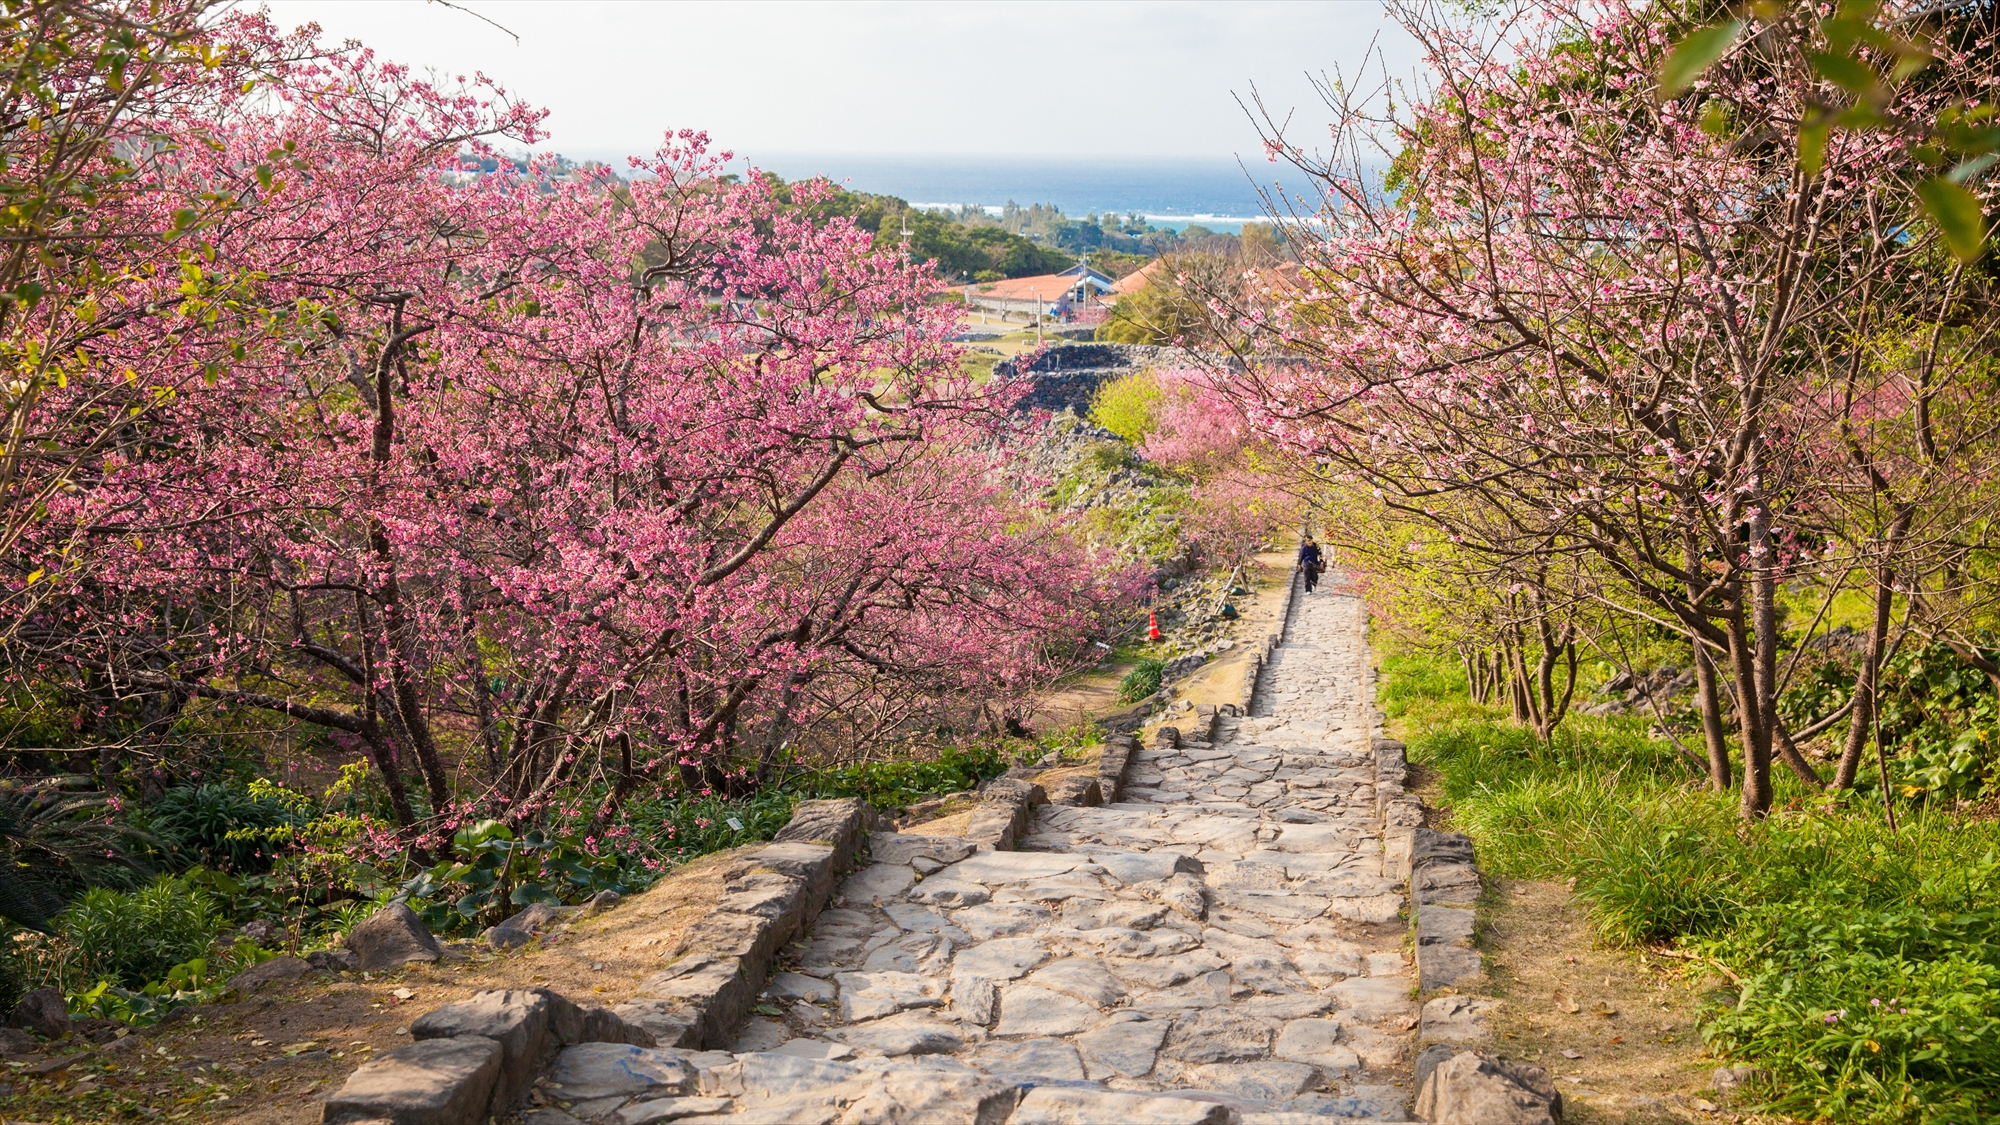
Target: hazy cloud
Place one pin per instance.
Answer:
(1056, 79)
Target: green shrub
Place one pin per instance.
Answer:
(226, 825)
(54, 845)
(1143, 680)
(133, 937)
(1126, 405)
(678, 828)
(896, 785)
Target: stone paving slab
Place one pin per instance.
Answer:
(1221, 943)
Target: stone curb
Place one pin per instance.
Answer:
(770, 897)
(1454, 1084)
(1253, 669)
(1401, 812)
(475, 1058)
(1444, 883)
(1004, 813)
(1112, 764)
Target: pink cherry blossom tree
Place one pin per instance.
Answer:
(539, 484)
(1581, 319)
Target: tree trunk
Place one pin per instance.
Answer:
(392, 780)
(1867, 682)
(1757, 792)
(1755, 737)
(1709, 695)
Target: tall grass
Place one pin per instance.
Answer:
(1867, 962)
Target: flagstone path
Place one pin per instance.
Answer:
(1224, 929)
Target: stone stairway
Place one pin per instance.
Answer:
(1222, 943)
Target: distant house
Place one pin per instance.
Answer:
(1054, 294)
(1133, 282)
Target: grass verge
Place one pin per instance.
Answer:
(1866, 963)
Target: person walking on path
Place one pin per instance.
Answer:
(1311, 562)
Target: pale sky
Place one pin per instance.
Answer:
(1152, 79)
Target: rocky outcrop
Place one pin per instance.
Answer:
(273, 971)
(392, 936)
(44, 1012)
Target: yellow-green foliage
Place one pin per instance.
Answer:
(1126, 405)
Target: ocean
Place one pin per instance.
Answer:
(1217, 194)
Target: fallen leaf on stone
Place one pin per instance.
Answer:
(1569, 1054)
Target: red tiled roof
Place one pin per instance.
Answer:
(1047, 286)
(1136, 280)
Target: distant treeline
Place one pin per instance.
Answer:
(969, 244)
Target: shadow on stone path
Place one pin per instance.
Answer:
(1221, 944)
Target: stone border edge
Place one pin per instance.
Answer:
(770, 897)
(478, 1056)
(1449, 1077)
(1253, 669)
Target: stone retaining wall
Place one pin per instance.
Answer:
(476, 1058)
(1254, 667)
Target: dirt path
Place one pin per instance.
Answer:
(1616, 1029)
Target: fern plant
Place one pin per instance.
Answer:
(58, 844)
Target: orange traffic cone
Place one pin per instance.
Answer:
(1152, 625)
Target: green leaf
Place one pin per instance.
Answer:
(1848, 73)
(1971, 167)
(1957, 215)
(1909, 61)
(1812, 148)
(1694, 54)
(533, 892)
(1715, 119)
